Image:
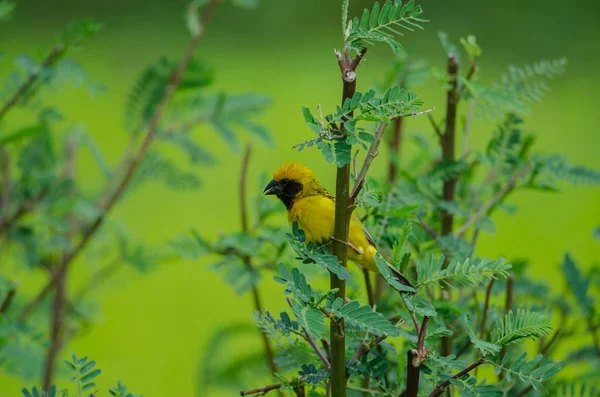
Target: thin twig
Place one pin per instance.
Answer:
(369, 285)
(435, 126)
(153, 127)
(366, 347)
(467, 129)
(24, 208)
(57, 320)
(243, 180)
(371, 154)
(358, 58)
(311, 341)
(247, 260)
(52, 57)
(448, 143)
(97, 279)
(423, 334)
(6, 181)
(261, 391)
(486, 307)
(395, 146)
(429, 229)
(499, 196)
(367, 391)
(7, 301)
(440, 389)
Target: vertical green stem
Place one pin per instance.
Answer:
(340, 234)
(448, 140)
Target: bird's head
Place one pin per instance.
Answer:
(292, 181)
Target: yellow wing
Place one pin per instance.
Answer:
(315, 216)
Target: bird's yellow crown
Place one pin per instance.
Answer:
(298, 172)
(294, 171)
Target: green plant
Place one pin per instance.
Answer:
(427, 216)
(48, 219)
(83, 373)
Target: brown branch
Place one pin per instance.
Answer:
(366, 347)
(356, 61)
(261, 391)
(369, 285)
(413, 373)
(371, 154)
(243, 182)
(247, 259)
(6, 181)
(430, 230)
(496, 198)
(52, 57)
(311, 341)
(435, 126)
(7, 301)
(129, 173)
(395, 146)
(415, 358)
(486, 307)
(440, 389)
(97, 278)
(300, 391)
(447, 142)
(467, 129)
(56, 340)
(507, 306)
(423, 334)
(594, 334)
(367, 391)
(24, 208)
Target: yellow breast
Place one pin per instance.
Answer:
(315, 216)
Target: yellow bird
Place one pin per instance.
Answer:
(310, 205)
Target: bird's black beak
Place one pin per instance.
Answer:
(273, 188)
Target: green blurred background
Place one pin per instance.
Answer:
(154, 328)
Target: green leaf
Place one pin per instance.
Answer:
(22, 133)
(310, 318)
(516, 327)
(192, 17)
(363, 317)
(295, 282)
(470, 46)
(388, 276)
(382, 24)
(313, 253)
(419, 305)
(578, 284)
(527, 372)
(88, 377)
(78, 31)
(431, 271)
(484, 347)
(337, 151)
(6, 9)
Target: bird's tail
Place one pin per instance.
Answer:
(401, 278)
